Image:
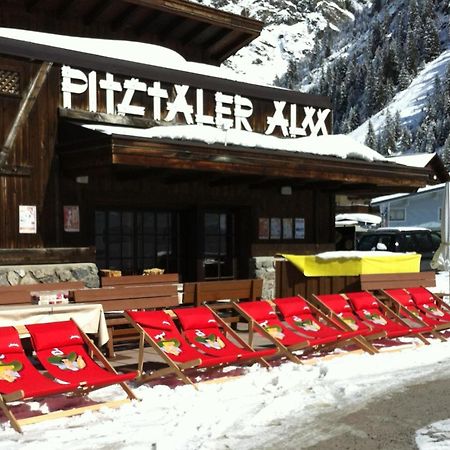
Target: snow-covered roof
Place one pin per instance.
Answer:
(339, 145)
(413, 160)
(386, 198)
(138, 52)
(359, 217)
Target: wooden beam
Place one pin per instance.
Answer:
(123, 19)
(112, 119)
(16, 171)
(190, 35)
(25, 108)
(31, 4)
(96, 11)
(145, 25)
(47, 255)
(64, 8)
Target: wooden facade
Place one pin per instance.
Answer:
(195, 208)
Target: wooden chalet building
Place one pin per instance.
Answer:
(162, 163)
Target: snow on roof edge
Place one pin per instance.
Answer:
(338, 145)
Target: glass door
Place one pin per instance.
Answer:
(218, 245)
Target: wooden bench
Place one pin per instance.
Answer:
(140, 280)
(375, 282)
(117, 299)
(214, 291)
(21, 294)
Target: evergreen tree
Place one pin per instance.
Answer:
(370, 140)
(445, 155)
(431, 45)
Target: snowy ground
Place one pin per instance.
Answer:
(252, 411)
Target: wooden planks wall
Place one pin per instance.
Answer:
(289, 281)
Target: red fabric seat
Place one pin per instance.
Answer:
(404, 299)
(297, 313)
(340, 306)
(262, 313)
(60, 348)
(367, 308)
(17, 373)
(162, 329)
(426, 302)
(202, 330)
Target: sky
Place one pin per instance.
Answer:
(251, 408)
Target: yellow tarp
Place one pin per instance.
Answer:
(314, 266)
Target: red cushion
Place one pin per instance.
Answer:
(335, 302)
(401, 296)
(199, 317)
(259, 310)
(362, 300)
(421, 296)
(152, 319)
(9, 340)
(55, 334)
(292, 306)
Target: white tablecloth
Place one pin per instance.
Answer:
(88, 316)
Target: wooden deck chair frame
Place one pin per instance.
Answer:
(228, 330)
(173, 367)
(283, 350)
(19, 395)
(391, 314)
(360, 341)
(410, 315)
(366, 340)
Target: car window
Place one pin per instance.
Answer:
(409, 243)
(370, 242)
(435, 240)
(367, 242)
(423, 242)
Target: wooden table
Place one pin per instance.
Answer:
(89, 317)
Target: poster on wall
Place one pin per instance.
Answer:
(27, 219)
(275, 228)
(72, 219)
(287, 228)
(263, 228)
(299, 228)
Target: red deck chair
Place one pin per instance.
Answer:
(340, 311)
(62, 349)
(430, 304)
(301, 316)
(407, 308)
(263, 318)
(21, 381)
(157, 329)
(368, 308)
(202, 327)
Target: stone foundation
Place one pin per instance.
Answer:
(264, 267)
(48, 273)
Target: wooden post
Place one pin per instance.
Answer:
(25, 107)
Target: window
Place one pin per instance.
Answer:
(218, 245)
(132, 241)
(397, 214)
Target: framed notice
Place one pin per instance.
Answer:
(27, 219)
(275, 228)
(287, 228)
(299, 228)
(72, 219)
(263, 228)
